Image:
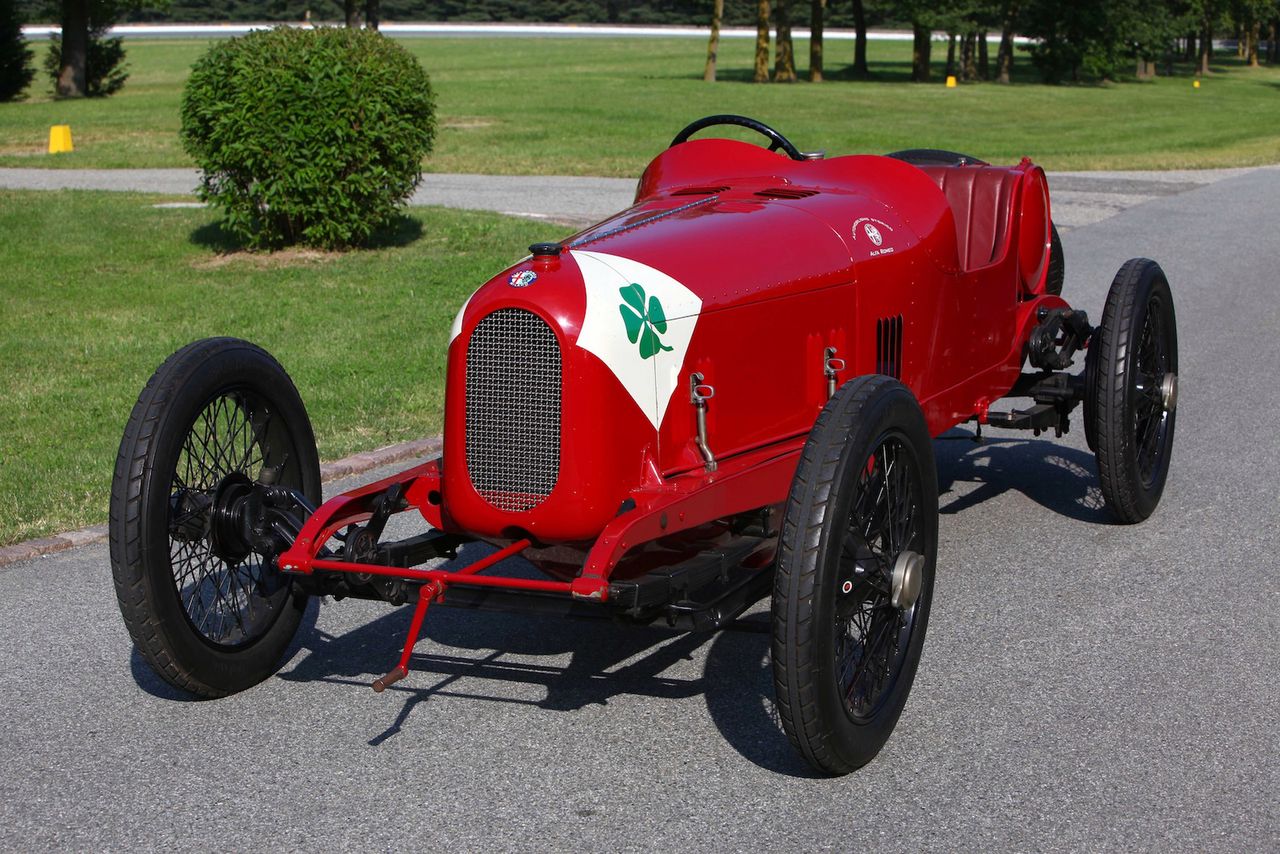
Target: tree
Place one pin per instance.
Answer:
(350, 13)
(762, 42)
(1004, 56)
(1248, 16)
(75, 48)
(1206, 18)
(87, 62)
(860, 39)
(83, 60)
(784, 66)
(372, 14)
(816, 10)
(713, 43)
(922, 16)
(15, 57)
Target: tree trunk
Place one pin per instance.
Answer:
(372, 13)
(860, 40)
(762, 42)
(921, 53)
(75, 48)
(713, 43)
(1206, 51)
(969, 62)
(951, 56)
(984, 57)
(1190, 54)
(351, 13)
(1004, 58)
(816, 14)
(784, 66)
(1255, 35)
(1273, 50)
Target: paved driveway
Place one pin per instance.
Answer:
(1079, 198)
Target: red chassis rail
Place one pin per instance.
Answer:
(751, 480)
(755, 479)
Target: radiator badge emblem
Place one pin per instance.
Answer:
(873, 234)
(522, 278)
(644, 325)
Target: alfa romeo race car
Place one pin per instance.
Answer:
(727, 391)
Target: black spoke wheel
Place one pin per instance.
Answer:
(206, 608)
(1131, 403)
(855, 574)
(1057, 263)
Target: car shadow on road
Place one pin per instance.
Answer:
(519, 659)
(1056, 476)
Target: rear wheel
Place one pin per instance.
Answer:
(855, 574)
(1133, 390)
(207, 612)
(1057, 263)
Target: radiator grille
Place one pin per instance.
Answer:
(889, 346)
(513, 409)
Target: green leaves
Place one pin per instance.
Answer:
(308, 136)
(644, 323)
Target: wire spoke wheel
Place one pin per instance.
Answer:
(872, 634)
(196, 581)
(1150, 418)
(230, 595)
(1130, 407)
(854, 579)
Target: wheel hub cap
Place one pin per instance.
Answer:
(1169, 392)
(228, 529)
(908, 572)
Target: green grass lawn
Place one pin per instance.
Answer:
(594, 106)
(98, 288)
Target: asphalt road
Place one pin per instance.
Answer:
(1084, 686)
(1079, 198)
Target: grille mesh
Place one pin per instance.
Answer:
(513, 409)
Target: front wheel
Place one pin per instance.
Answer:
(1132, 391)
(209, 613)
(855, 574)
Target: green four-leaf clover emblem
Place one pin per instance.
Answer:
(644, 323)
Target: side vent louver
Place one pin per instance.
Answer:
(786, 193)
(889, 346)
(699, 191)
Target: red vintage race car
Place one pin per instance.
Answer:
(728, 390)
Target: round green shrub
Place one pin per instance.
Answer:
(308, 136)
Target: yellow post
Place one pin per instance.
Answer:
(60, 139)
(951, 81)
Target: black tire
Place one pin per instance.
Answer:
(833, 585)
(1129, 412)
(1057, 263)
(215, 411)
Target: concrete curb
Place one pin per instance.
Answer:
(346, 467)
